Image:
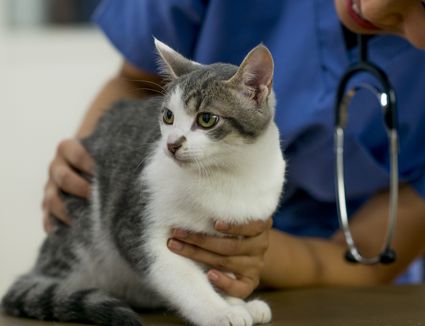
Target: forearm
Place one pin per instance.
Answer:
(295, 261)
(298, 262)
(128, 83)
(113, 90)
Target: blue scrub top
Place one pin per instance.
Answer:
(310, 55)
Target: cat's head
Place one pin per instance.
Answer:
(212, 111)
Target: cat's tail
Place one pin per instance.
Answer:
(46, 299)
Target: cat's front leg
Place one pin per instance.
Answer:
(184, 285)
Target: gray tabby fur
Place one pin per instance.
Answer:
(100, 267)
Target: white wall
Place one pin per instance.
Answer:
(47, 80)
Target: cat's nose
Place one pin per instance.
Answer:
(174, 146)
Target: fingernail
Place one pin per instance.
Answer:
(221, 226)
(179, 233)
(212, 276)
(175, 245)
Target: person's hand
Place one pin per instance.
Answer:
(241, 253)
(70, 159)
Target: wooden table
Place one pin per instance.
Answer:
(378, 306)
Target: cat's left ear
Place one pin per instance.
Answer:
(255, 74)
(174, 64)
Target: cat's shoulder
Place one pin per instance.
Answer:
(131, 113)
(126, 124)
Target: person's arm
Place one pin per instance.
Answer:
(70, 156)
(130, 82)
(292, 261)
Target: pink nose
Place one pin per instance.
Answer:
(173, 147)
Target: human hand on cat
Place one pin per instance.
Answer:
(241, 253)
(70, 157)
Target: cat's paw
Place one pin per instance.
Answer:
(260, 311)
(231, 316)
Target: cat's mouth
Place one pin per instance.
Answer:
(179, 159)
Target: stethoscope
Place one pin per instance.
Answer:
(386, 97)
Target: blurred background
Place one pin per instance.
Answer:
(52, 63)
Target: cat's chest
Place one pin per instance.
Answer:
(179, 199)
(187, 206)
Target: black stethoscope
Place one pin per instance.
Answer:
(387, 100)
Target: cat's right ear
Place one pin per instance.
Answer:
(173, 64)
(255, 75)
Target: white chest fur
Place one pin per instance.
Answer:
(250, 190)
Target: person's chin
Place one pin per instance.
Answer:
(350, 16)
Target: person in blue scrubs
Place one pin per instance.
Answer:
(311, 50)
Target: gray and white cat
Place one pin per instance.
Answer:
(212, 155)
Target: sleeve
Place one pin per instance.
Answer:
(404, 66)
(131, 25)
(406, 71)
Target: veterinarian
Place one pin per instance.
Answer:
(311, 49)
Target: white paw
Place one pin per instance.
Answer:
(231, 316)
(260, 311)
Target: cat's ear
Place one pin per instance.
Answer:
(255, 74)
(172, 62)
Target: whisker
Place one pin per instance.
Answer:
(140, 164)
(142, 146)
(146, 155)
(198, 164)
(204, 170)
(150, 89)
(145, 81)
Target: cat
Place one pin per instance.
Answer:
(207, 150)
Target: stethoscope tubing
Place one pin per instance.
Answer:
(387, 100)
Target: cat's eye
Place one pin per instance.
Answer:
(207, 120)
(168, 117)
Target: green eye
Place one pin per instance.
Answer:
(207, 120)
(168, 117)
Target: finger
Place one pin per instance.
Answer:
(68, 180)
(54, 205)
(235, 264)
(225, 246)
(250, 229)
(240, 287)
(47, 222)
(76, 155)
